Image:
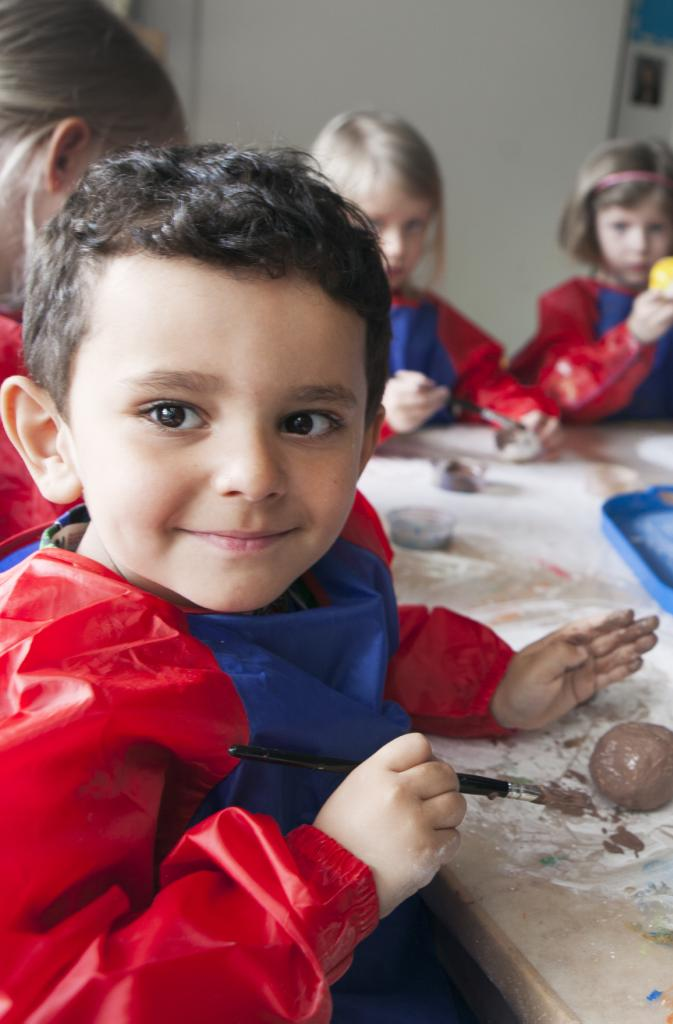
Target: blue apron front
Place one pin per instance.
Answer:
(415, 345)
(312, 680)
(653, 398)
(11, 558)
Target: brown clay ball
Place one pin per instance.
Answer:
(632, 765)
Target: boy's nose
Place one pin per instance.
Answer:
(250, 469)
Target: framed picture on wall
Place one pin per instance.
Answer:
(647, 84)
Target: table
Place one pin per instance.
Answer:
(563, 929)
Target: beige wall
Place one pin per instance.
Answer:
(511, 93)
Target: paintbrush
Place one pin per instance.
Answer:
(472, 785)
(459, 405)
(516, 441)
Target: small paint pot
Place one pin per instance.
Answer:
(457, 475)
(425, 529)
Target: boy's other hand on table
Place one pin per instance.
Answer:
(397, 812)
(567, 667)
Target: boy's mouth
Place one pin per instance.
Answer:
(241, 540)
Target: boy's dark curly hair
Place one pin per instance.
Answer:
(248, 212)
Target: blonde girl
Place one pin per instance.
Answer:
(74, 83)
(382, 162)
(604, 344)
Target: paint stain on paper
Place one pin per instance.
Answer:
(556, 569)
(580, 776)
(660, 937)
(621, 840)
(549, 860)
(502, 617)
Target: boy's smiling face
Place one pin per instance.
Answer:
(217, 426)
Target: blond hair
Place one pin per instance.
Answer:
(359, 151)
(594, 190)
(75, 58)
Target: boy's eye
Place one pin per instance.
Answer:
(309, 424)
(174, 415)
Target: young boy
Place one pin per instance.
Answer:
(206, 333)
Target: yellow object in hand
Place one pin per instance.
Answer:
(661, 274)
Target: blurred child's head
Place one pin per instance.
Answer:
(207, 336)
(74, 82)
(383, 164)
(620, 216)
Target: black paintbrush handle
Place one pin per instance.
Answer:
(473, 785)
(490, 415)
(293, 758)
(481, 785)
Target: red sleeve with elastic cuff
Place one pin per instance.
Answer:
(115, 724)
(245, 926)
(479, 359)
(445, 672)
(589, 377)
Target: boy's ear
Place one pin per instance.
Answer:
(41, 437)
(371, 437)
(69, 152)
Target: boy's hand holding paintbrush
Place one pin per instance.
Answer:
(398, 812)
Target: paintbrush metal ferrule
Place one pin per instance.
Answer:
(526, 791)
(481, 785)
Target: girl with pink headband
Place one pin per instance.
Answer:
(604, 344)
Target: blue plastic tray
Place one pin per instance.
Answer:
(640, 527)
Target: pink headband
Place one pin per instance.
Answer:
(619, 177)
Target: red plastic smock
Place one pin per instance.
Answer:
(590, 372)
